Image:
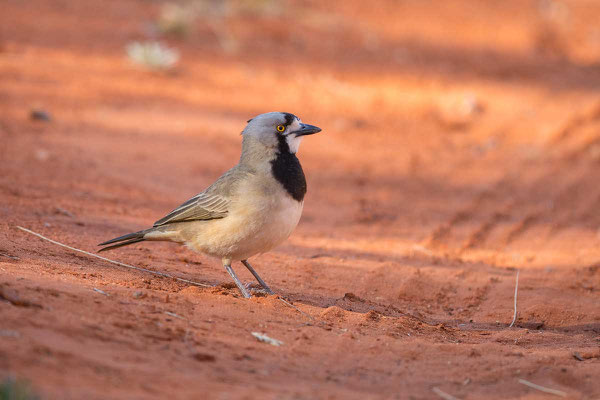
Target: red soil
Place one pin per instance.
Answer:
(461, 142)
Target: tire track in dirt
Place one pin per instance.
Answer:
(471, 227)
(444, 233)
(504, 213)
(574, 124)
(479, 236)
(518, 229)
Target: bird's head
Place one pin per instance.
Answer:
(278, 130)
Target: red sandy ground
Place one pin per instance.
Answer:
(461, 141)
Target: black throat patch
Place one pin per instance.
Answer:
(288, 171)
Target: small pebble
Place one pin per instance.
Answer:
(40, 115)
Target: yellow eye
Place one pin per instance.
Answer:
(280, 128)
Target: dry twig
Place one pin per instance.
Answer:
(516, 289)
(9, 256)
(101, 292)
(266, 339)
(112, 261)
(443, 394)
(139, 268)
(543, 389)
(172, 314)
(295, 308)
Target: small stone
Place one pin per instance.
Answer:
(203, 357)
(40, 115)
(41, 154)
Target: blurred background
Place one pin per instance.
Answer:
(461, 139)
(456, 124)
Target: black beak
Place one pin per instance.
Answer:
(306, 129)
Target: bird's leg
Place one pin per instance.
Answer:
(227, 265)
(258, 278)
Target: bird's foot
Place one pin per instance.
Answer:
(258, 290)
(245, 292)
(262, 283)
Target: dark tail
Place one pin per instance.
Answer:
(124, 240)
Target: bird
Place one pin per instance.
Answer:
(250, 209)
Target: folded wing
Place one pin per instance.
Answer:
(200, 207)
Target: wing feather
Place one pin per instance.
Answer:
(200, 207)
(213, 203)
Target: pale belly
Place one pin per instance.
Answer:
(250, 228)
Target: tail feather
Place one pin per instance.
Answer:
(114, 246)
(124, 240)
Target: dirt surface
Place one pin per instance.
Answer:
(460, 143)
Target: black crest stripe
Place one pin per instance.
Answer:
(289, 118)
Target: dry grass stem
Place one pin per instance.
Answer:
(174, 315)
(516, 289)
(112, 261)
(101, 292)
(266, 339)
(443, 394)
(542, 388)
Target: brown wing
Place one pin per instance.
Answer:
(200, 207)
